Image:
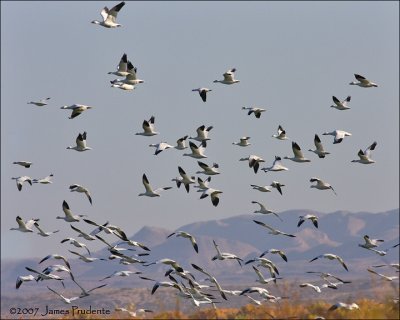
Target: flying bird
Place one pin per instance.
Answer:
(42, 233)
(281, 135)
(202, 93)
(229, 77)
(197, 151)
(274, 231)
(387, 278)
(149, 191)
(40, 103)
(342, 305)
(207, 169)
(214, 195)
(243, 142)
(254, 161)
(81, 189)
(80, 143)
(331, 256)
(77, 109)
(20, 181)
(311, 217)
(185, 179)
(25, 226)
(341, 105)
(277, 185)
(264, 210)
(122, 68)
(338, 135)
(25, 164)
(365, 155)
(319, 151)
(148, 128)
(45, 180)
(202, 134)
(184, 234)
(257, 111)
(298, 154)
(321, 185)
(22, 279)
(69, 217)
(110, 16)
(160, 147)
(276, 166)
(363, 82)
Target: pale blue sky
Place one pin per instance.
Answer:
(291, 57)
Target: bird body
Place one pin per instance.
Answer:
(77, 109)
(254, 161)
(281, 135)
(338, 135)
(298, 154)
(264, 210)
(257, 111)
(40, 103)
(149, 191)
(20, 181)
(311, 217)
(148, 128)
(45, 180)
(243, 142)
(229, 77)
(80, 143)
(341, 105)
(321, 185)
(276, 166)
(25, 164)
(319, 151)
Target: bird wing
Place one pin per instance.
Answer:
(112, 14)
(104, 13)
(318, 144)
(229, 75)
(81, 140)
(123, 63)
(146, 184)
(264, 225)
(370, 148)
(296, 150)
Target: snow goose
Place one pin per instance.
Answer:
(202, 185)
(80, 143)
(202, 92)
(298, 154)
(130, 78)
(202, 134)
(276, 166)
(76, 243)
(331, 256)
(338, 135)
(44, 276)
(261, 278)
(214, 195)
(124, 273)
(180, 143)
(40, 103)
(66, 300)
(186, 235)
(160, 147)
(122, 68)
(281, 135)
(325, 276)
(255, 110)
(148, 128)
(393, 265)
(197, 151)
(132, 313)
(387, 278)
(25, 164)
(207, 169)
(42, 233)
(321, 185)
(168, 262)
(110, 16)
(363, 82)
(107, 228)
(69, 217)
(277, 185)
(342, 305)
(22, 279)
(264, 210)
(311, 217)
(84, 292)
(58, 257)
(212, 279)
(25, 226)
(273, 231)
(20, 181)
(341, 105)
(275, 251)
(264, 293)
(77, 109)
(306, 284)
(225, 255)
(185, 179)
(319, 151)
(261, 188)
(370, 243)
(254, 161)
(81, 189)
(82, 234)
(45, 180)
(56, 268)
(244, 142)
(123, 86)
(229, 77)
(149, 191)
(86, 259)
(365, 155)
(173, 283)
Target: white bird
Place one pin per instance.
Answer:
(42, 233)
(255, 110)
(261, 278)
(81, 189)
(229, 77)
(325, 276)
(311, 217)
(319, 151)
(186, 235)
(254, 161)
(338, 135)
(66, 300)
(202, 93)
(123, 86)
(77, 109)
(261, 188)
(180, 143)
(363, 82)
(207, 169)
(122, 68)
(281, 135)
(370, 243)
(277, 185)
(132, 313)
(130, 78)
(276, 166)
(341, 105)
(86, 259)
(148, 128)
(197, 151)
(321, 185)
(69, 217)
(80, 143)
(57, 268)
(160, 147)
(45, 180)
(40, 103)
(343, 305)
(365, 155)
(202, 185)
(84, 292)
(82, 234)
(110, 16)
(149, 191)
(211, 278)
(22, 279)
(20, 181)
(268, 264)
(44, 276)
(316, 288)
(225, 255)
(275, 251)
(76, 243)
(168, 262)
(125, 273)
(202, 134)
(185, 179)
(274, 231)
(387, 278)
(58, 257)
(25, 164)
(25, 226)
(264, 210)
(171, 284)
(298, 154)
(244, 142)
(331, 256)
(214, 195)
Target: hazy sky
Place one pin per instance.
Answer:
(291, 57)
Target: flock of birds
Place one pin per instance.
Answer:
(187, 286)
